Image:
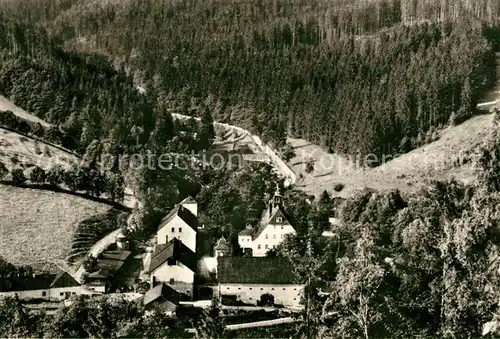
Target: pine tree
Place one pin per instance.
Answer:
(207, 131)
(211, 325)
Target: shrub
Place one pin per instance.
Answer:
(90, 263)
(38, 175)
(55, 176)
(338, 187)
(18, 176)
(309, 165)
(3, 171)
(38, 130)
(288, 152)
(143, 287)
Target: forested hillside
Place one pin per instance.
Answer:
(375, 76)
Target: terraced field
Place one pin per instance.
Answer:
(36, 226)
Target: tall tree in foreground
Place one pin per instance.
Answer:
(207, 131)
(211, 325)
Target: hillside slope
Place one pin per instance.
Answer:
(443, 159)
(37, 226)
(7, 105)
(17, 150)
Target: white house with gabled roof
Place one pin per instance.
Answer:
(180, 223)
(273, 229)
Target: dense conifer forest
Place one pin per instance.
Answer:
(367, 76)
(375, 76)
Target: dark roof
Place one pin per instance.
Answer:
(41, 282)
(63, 279)
(255, 270)
(112, 260)
(116, 255)
(175, 250)
(109, 264)
(162, 292)
(246, 231)
(189, 200)
(183, 213)
(268, 217)
(100, 274)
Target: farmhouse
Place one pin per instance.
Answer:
(51, 287)
(258, 281)
(162, 297)
(272, 230)
(180, 223)
(108, 267)
(175, 264)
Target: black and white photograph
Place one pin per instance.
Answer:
(244, 169)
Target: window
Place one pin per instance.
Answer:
(284, 288)
(272, 289)
(267, 247)
(227, 288)
(279, 219)
(173, 229)
(172, 281)
(258, 247)
(261, 289)
(62, 293)
(180, 229)
(267, 236)
(250, 288)
(44, 294)
(239, 288)
(282, 227)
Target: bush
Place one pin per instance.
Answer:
(18, 176)
(38, 130)
(309, 165)
(288, 152)
(338, 187)
(55, 176)
(3, 171)
(38, 175)
(90, 263)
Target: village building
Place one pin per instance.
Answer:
(258, 281)
(173, 259)
(162, 297)
(108, 267)
(50, 287)
(180, 223)
(273, 228)
(174, 264)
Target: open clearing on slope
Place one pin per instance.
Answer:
(443, 159)
(7, 105)
(17, 150)
(37, 226)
